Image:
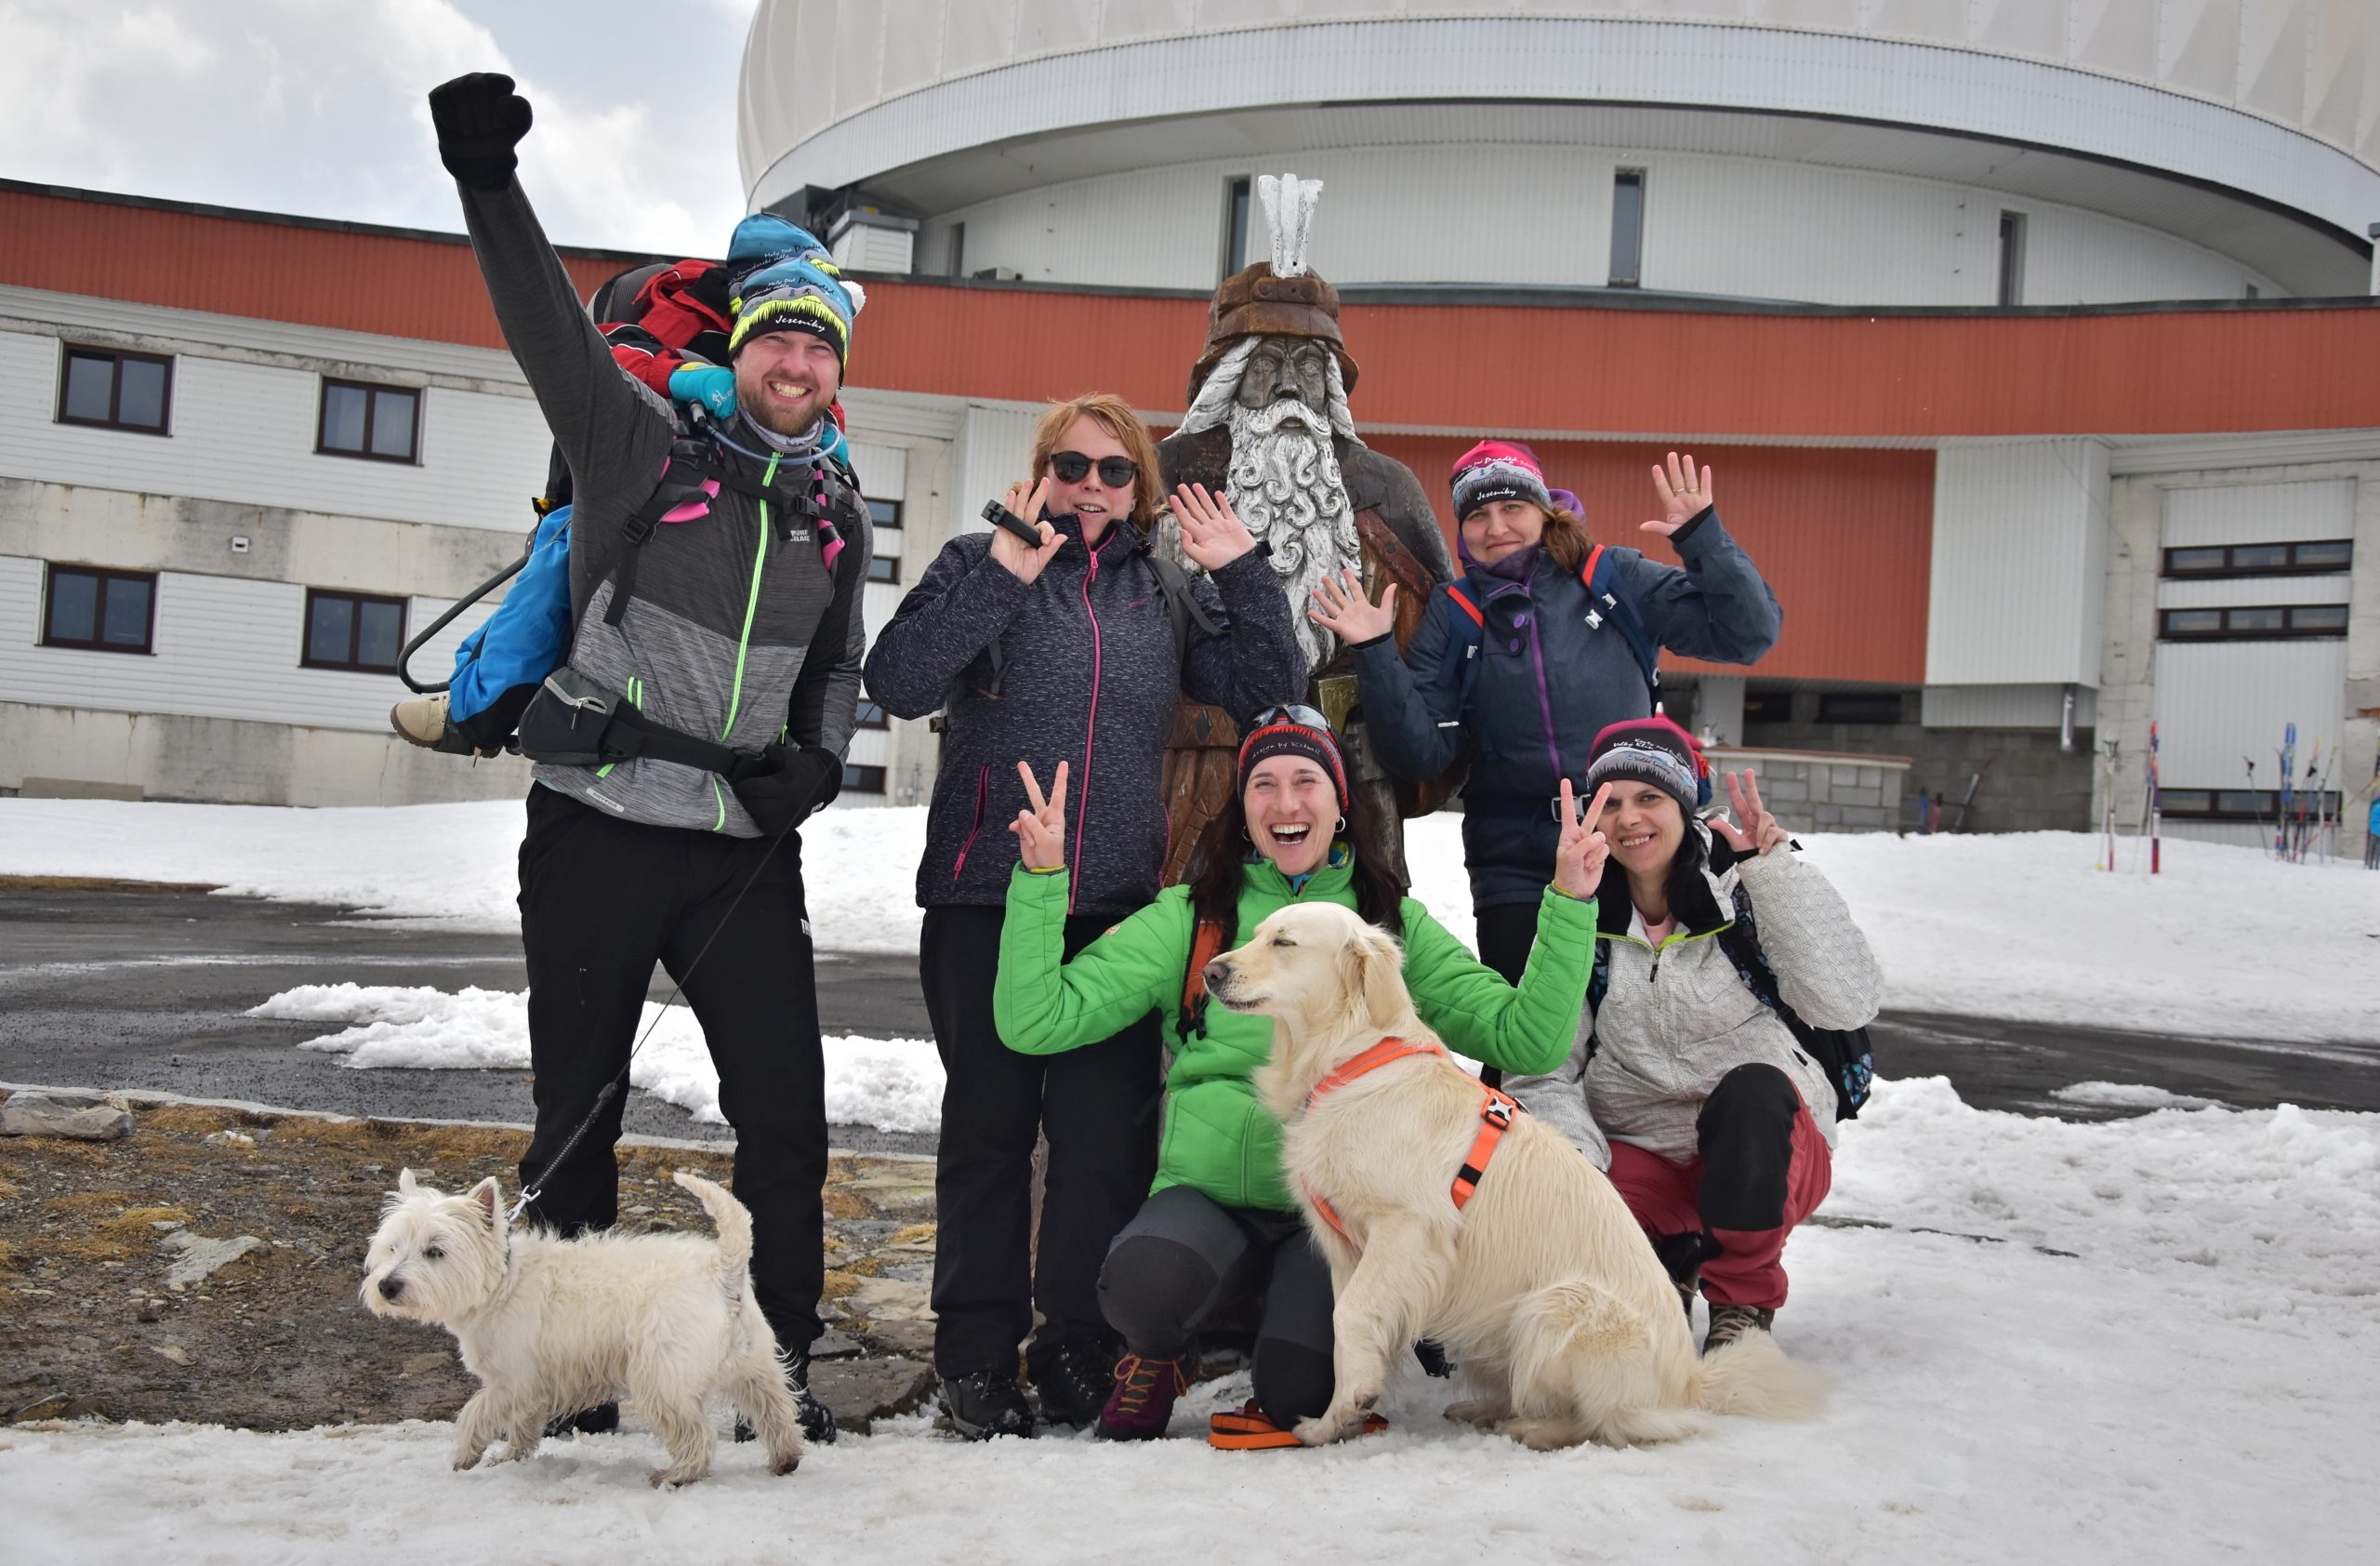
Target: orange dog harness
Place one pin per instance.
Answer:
(1496, 1112)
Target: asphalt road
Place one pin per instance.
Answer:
(150, 989)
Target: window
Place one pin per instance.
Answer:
(1859, 707)
(2253, 622)
(884, 568)
(353, 631)
(380, 422)
(871, 716)
(2307, 558)
(1627, 228)
(114, 391)
(1235, 194)
(101, 611)
(2239, 805)
(1768, 704)
(883, 514)
(862, 779)
(2012, 257)
(958, 249)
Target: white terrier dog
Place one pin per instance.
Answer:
(550, 1326)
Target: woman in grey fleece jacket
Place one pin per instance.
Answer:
(1087, 671)
(1715, 1126)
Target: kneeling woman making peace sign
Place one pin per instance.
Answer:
(1220, 1226)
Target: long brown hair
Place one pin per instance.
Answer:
(1217, 865)
(1114, 415)
(1565, 540)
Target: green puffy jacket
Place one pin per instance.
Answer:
(1218, 1139)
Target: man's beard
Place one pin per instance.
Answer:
(1285, 485)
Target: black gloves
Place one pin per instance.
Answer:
(788, 785)
(480, 119)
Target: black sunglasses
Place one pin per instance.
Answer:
(1115, 472)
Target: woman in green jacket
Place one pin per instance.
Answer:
(1220, 1226)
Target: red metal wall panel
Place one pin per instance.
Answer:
(1844, 537)
(359, 282)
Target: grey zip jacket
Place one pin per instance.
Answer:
(736, 631)
(1091, 677)
(1674, 1022)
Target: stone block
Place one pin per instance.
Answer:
(1819, 785)
(860, 1391)
(1782, 790)
(1858, 795)
(86, 1117)
(1828, 815)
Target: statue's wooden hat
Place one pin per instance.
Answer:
(1252, 302)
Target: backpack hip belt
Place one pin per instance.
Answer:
(577, 721)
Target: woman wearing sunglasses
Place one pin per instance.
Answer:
(1063, 653)
(1220, 1229)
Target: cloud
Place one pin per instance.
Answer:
(316, 107)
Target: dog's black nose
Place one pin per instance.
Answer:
(1217, 974)
(392, 1287)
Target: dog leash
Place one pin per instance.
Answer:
(536, 1188)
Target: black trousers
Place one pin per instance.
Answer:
(1098, 1107)
(1184, 1256)
(602, 900)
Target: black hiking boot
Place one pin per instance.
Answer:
(817, 1420)
(1076, 1379)
(1729, 1323)
(987, 1403)
(600, 1420)
(1682, 1256)
(1431, 1356)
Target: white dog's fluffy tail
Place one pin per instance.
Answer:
(1584, 1358)
(1752, 1377)
(733, 1223)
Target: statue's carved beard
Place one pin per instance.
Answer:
(1285, 485)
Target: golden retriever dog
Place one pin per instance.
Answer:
(1541, 1287)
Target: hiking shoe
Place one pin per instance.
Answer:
(1729, 1323)
(1142, 1400)
(1431, 1356)
(422, 720)
(1075, 1381)
(985, 1405)
(1248, 1429)
(600, 1420)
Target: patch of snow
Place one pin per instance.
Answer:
(892, 1085)
(2130, 1095)
(2192, 1383)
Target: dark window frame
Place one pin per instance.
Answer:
(306, 658)
(2229, 568)
(2009, 287)
(1628, 271)
(856, 778)
(2239, 805)
(861, 719)
(1239, 221)
(372, 390)
(99, 643)
(67, 352)
(884, 569)
(880, 523)
(2287, 630)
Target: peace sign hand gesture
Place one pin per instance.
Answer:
(1755, 830)
(1579, 859)
(1684, 494)
(1041, 832)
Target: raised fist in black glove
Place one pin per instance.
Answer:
(480, 119)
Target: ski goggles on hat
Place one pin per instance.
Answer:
(1292, 712)
(1073, 467)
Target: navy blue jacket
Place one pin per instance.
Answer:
(1090, 676)
(1545, 680)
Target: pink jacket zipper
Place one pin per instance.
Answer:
(983, 792)
(1091, 731)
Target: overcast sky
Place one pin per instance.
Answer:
(316, 107)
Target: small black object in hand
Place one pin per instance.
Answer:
(1000, 517)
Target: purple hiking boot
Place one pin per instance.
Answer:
(1143, 1401)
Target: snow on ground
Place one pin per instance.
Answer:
(2227, 942)
(893, 1084)
(2154, 1339)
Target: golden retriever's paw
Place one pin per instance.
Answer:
(1542, 1435)
(1479, 1411)
(1324, 1428)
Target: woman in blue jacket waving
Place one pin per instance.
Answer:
(1545, 640)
